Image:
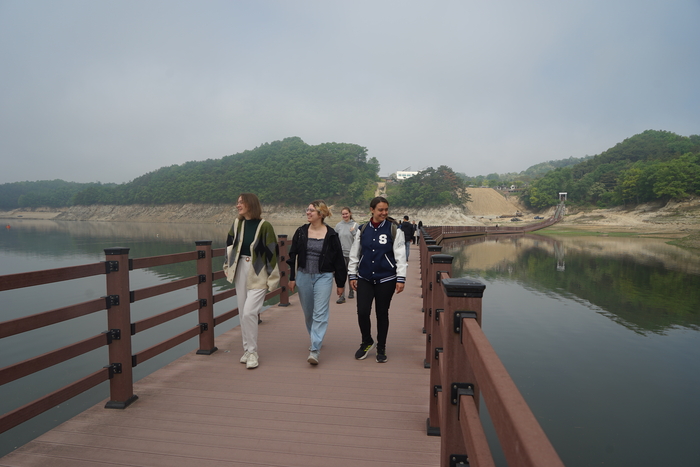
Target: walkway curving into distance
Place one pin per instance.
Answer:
(210, 411)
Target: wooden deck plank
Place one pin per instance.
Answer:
(211, 411)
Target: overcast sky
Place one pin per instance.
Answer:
(110, 90)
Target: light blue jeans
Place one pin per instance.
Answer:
(314, 296)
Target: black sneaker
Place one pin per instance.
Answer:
(364, 349)
(381, 355)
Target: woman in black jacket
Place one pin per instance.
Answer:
(314, 258)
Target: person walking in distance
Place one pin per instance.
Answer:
(407, 229)
(346, 230)
(251, 263)
(315, 257)
(377, 270)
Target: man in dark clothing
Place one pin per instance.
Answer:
(407, 229)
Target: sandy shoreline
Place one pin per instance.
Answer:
(673, 219)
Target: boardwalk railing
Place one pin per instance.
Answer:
(463, 368)
(117, 301)
(442, 232)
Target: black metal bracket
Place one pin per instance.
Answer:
(201, 254)
(438, 351)
(111, 266)
(111, 300)
(131, 264)
(458, 459)
(132, 296)
(458, 319)
(430, 286)
(202, 278)
(460, 389)
(202, 302)
(113, 335)
(437, 388)
(203, 327)
(114, 369)
(437, 276)
(437, 313)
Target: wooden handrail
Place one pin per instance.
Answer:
(118, 339)
(162, 318)
(41, 362)
(153, 261)
(463, 368)
(48, 276)
(49, 401)
(39, 320)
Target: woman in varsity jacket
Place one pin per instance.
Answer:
(251, 262)
(376, 271)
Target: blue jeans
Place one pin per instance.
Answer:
(408, 249)
(314, 296)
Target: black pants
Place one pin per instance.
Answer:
(381, 294)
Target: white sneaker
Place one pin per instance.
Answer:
(313, 357)
(244, 358)
(252, 361)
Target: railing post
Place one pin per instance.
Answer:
(284, 270)
(438, 264)
(428, 292)
(206, 298)
(462, 300)
(121, 382)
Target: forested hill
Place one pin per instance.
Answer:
(286, 172)
(650, 166)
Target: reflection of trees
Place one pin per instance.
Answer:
(646, 293)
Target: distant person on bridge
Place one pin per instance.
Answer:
(377, 270)
(407, 229)
(251, 263)
(347, 228)
(315, 257)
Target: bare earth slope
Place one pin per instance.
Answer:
(489, 202)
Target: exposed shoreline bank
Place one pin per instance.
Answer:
(223, 214)
(674, 219)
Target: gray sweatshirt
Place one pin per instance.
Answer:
(346, 232)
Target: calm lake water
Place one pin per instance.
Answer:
(601, 334)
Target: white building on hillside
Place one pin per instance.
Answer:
(404, 174)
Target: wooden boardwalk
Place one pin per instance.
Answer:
(211, 411)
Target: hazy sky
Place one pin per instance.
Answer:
(106, 91)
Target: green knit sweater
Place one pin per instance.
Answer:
(265, 273)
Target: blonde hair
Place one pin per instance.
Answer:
(322, 208)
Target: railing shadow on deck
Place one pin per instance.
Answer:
(117, 301)
(464, 367)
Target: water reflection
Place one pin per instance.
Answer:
(643, 284)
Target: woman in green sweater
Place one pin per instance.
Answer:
(251, 263)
